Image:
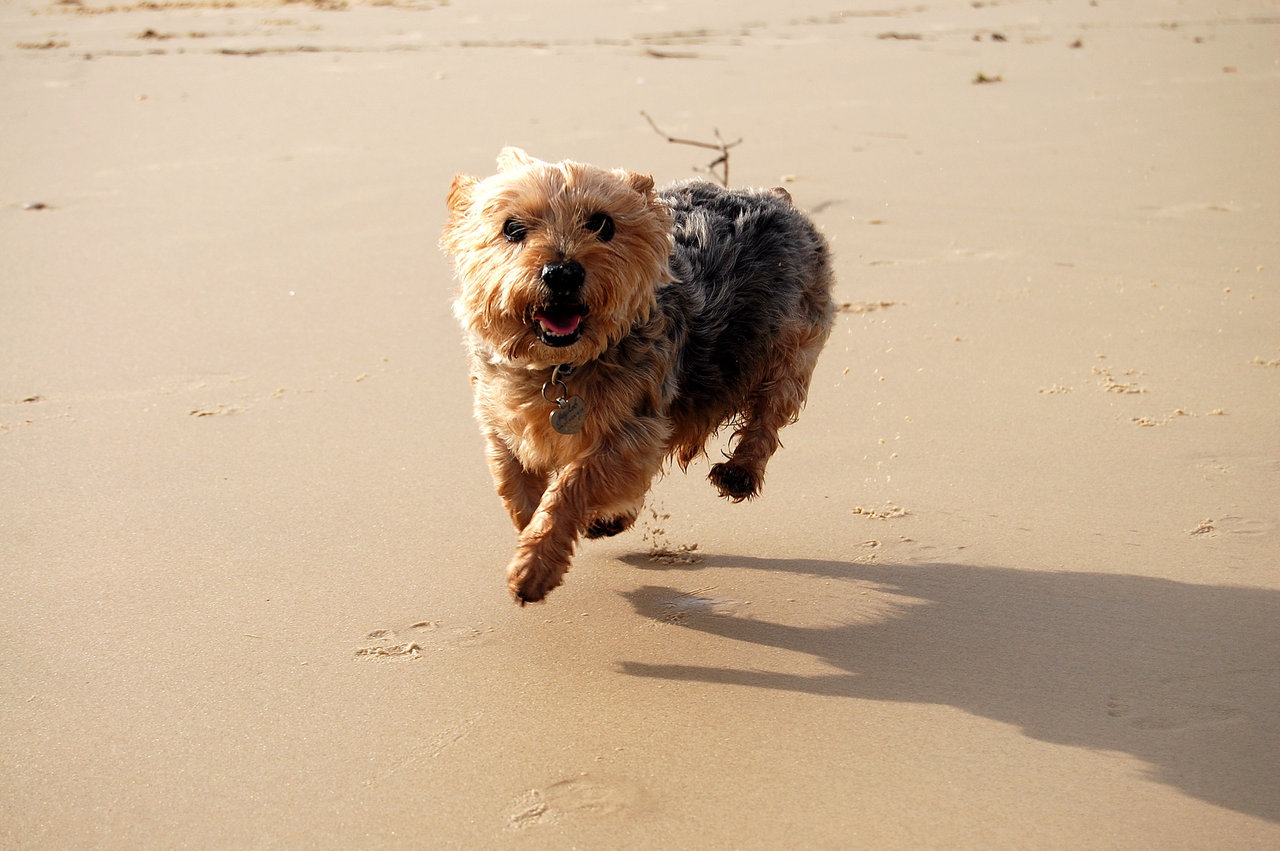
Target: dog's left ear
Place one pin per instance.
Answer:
(642, 183)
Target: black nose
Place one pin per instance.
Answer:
(563, 278)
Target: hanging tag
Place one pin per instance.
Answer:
(569, 415)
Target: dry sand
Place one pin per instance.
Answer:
(1014, 578)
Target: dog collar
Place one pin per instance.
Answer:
(570, 411)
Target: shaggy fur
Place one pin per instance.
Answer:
(674, 313)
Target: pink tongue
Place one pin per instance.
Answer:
(564, 326)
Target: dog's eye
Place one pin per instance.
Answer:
(601, 224)
(514, 231)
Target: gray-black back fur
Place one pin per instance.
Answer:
(749, 270)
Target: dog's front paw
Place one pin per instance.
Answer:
(734, 482)
(531, 578)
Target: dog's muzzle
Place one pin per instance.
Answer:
(559, 322)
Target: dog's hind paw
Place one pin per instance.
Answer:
(607, 527)
(734, 482)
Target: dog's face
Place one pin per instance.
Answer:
(557, 260)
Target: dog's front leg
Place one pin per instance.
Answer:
(520, 489)
(608, 480)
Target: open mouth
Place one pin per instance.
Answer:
(559, 324)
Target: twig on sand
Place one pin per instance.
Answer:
(721, 162)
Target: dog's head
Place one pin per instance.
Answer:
(557, 260)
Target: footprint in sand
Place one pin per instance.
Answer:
(1213, 467)
(1160, 716)
(583, 796)
(1230, 525)
(1244, 526)
(417, 638)
(386, 646)
(218, 410)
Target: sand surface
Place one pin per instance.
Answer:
(1014, 580)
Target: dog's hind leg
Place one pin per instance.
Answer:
(607, 527)
(775, 401)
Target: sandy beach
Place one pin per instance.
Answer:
(1014, 580)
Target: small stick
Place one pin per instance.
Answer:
(719, 145)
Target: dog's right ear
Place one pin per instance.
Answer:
(510, 159)
(459, 202)
(460, 192)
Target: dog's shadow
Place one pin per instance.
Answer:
(1184, 677)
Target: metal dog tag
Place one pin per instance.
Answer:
(569, 415)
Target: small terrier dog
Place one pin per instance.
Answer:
(612, 326)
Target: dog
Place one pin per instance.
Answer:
(612, 326)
